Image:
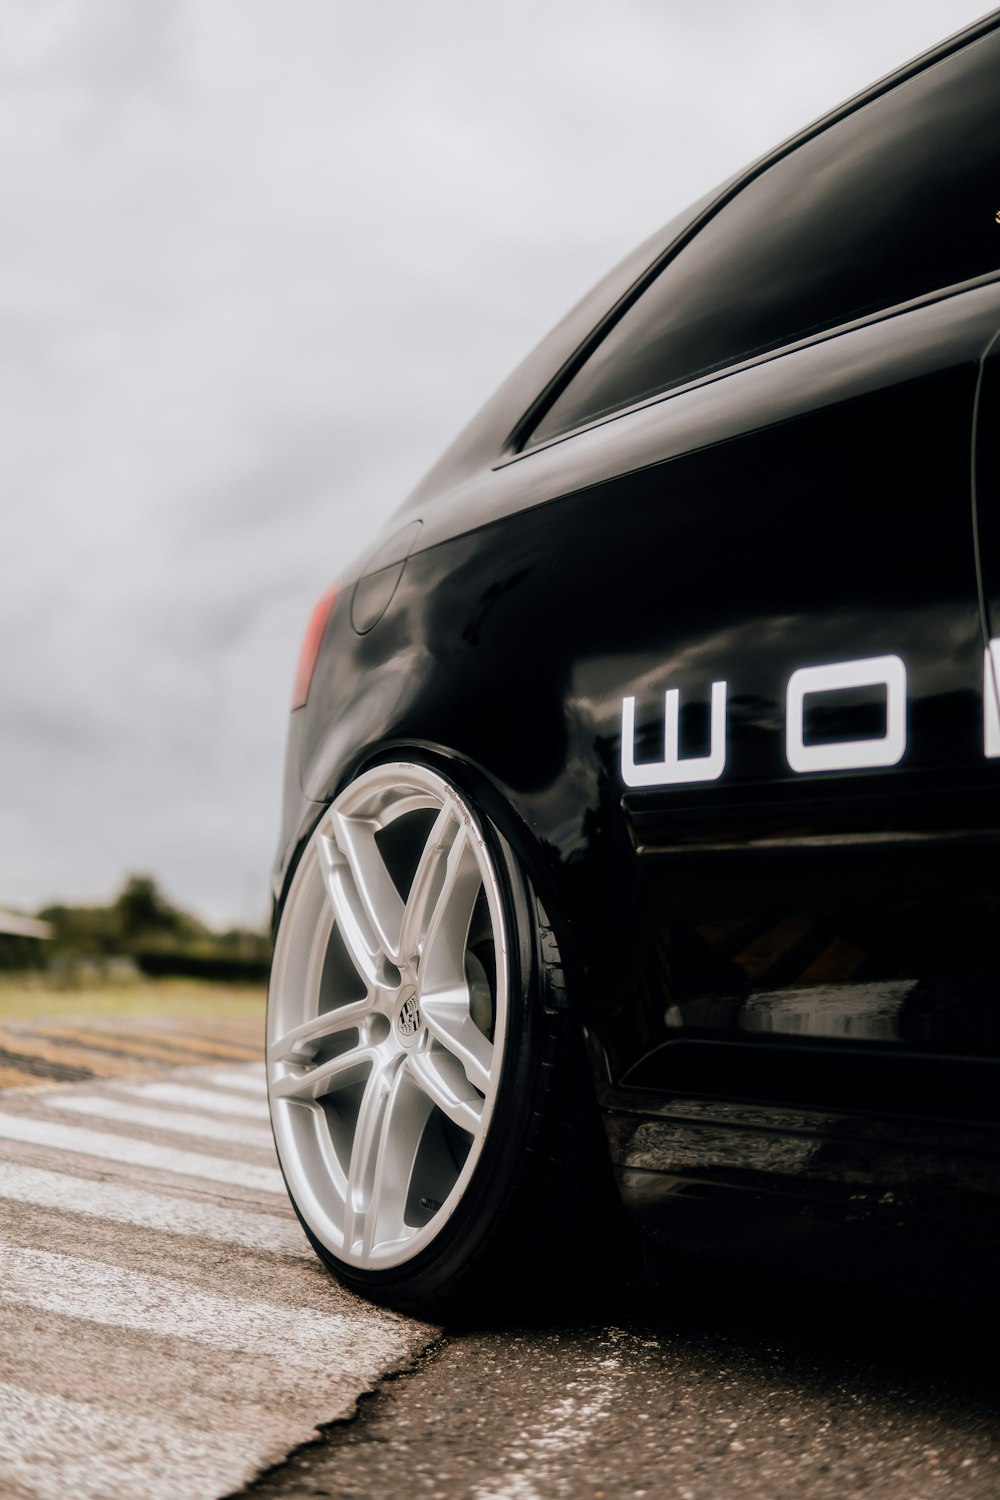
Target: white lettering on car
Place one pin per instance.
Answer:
(674, 768)
(991, 700)
(848, 755)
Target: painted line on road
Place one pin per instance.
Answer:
(145, 1210)
(197, 1098)
(53, 1448)
(206, 1127)
(250, 1080)
(92, 1291)
(121, 1148)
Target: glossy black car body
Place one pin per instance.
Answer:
(766, 444)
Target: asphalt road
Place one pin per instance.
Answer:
(165, 1332)
(719, 1389)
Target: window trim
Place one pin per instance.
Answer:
(518, 440)
(822, 336)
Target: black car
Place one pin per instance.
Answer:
(642, 813)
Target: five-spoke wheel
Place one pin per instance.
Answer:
(387, 1016)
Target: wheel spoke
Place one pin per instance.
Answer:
(369, 1145)
(441, 1077)
(447, 1018)
(443, 909)
(431, 879)
(376, 900)
(384, 1182)
(350, 914)
(318, 950)
(299, 1044)
(337, 1073)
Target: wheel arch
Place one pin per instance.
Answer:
(538, 861)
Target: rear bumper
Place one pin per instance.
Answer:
(898, 1202)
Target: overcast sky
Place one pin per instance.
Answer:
(259, 261)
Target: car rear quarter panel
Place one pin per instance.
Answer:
(838, 530)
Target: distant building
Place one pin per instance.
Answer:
(23, 941)
(12, 924)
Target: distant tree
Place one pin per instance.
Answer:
(142, 924)
(83, 929)
(142, 910)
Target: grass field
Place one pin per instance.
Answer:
(37, 998)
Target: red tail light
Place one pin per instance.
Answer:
(311, 643)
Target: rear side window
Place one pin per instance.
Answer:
(899, 198)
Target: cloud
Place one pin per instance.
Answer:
(259, 262)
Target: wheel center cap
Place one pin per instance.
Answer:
(408, 1018)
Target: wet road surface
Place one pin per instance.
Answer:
(165, 1331)
(725, 1388)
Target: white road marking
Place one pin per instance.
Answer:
(135, 1153)
(248, 1082)
(127, 1205)
(160, 1305)
(197, 1098)
(205, 1127)
(195, 1389)
(51, 1448)
(255, 1069)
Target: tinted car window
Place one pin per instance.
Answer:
(897, 199)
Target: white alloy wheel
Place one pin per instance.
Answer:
(387, 1016)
